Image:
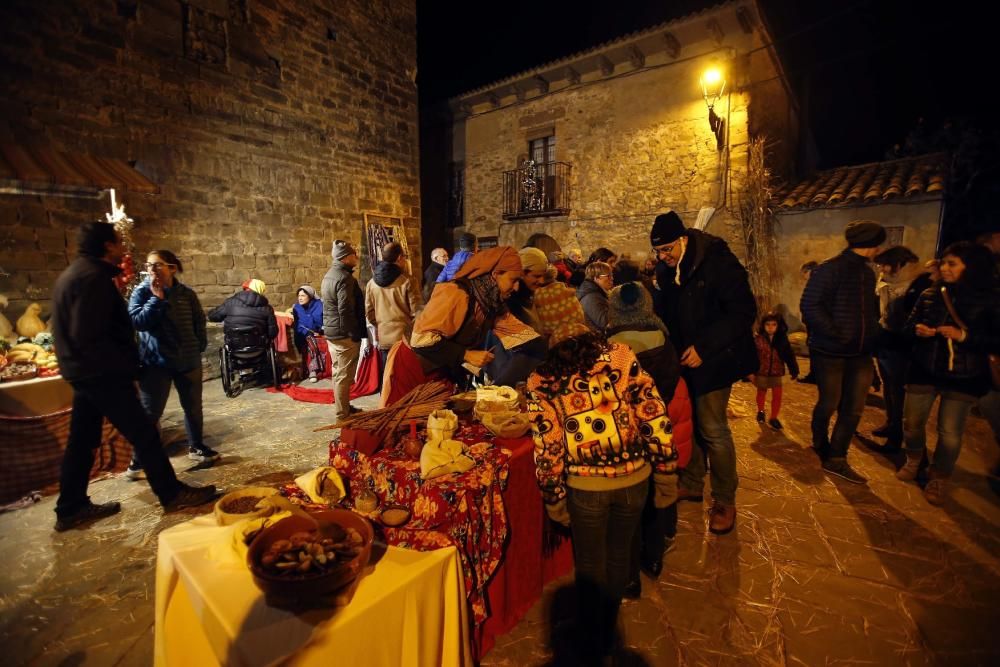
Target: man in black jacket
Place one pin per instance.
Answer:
(704, 298)
(343, 322)
(840, 309)
(98, 356)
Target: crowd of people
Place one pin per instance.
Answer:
(627, 369)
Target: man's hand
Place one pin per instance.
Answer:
(156, 286)
(951, 332)
(690, 358)
(478, 358)
(925, 331)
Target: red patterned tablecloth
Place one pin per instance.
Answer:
(463, 510)
(493, 514)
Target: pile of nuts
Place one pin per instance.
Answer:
(309, 553)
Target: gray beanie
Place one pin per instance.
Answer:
(342, 249)
(308, 289)
(630, 306)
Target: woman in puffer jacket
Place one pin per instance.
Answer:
(954, 327)
(631, 321)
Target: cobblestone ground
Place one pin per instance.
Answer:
(817, 572)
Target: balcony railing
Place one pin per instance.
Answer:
(536, 190)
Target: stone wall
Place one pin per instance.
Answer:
(639, 144)
(271, 127)
(818, 234)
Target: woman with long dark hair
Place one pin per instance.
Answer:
(172, 336)
(600, 430)
(954, 326)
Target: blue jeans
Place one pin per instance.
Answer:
(603, 523)
(154, 389)
(950, 424)
(714, 442)
(843, 384)
(892, 366)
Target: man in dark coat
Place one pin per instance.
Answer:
(343, 322)
(99, 357)
(439, 258)
(704, 298)
(841, 310)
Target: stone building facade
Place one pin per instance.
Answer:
(629, 119)
(270, 126)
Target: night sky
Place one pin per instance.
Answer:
(866, 70)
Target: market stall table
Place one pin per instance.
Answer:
(408, 609)
(493, 514)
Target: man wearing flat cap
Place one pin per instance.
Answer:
(840, 308)
(343, 323)
(705, 300)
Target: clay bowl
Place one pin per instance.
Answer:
(308, 587)
(394, 515)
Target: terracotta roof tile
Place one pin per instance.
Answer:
(867, 183)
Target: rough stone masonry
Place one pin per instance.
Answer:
(271, 127)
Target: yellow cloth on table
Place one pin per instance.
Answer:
(231, 546)
(440, 457)
(322, 485)
(409, 609)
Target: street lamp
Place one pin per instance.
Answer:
(713, 85)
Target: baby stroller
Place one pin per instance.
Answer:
(246, 353)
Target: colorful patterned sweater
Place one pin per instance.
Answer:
(606, 430)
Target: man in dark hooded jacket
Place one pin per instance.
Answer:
(704, 298)
(391, 300)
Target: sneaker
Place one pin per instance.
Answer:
(721, 518)
(204, 454)
(87, 514)
(760, 416)
(134, 471)
(841, 468)
(808, 379)
(775, 424)
(936, 490)
(313, 378)
(191, 496)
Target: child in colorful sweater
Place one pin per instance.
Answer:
(600, 429)
(773, 352)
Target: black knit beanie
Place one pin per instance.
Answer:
(667, 228)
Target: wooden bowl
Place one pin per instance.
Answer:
(310, 586)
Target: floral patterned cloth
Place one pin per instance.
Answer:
(462, 510)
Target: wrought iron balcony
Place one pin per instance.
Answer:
(536, 190)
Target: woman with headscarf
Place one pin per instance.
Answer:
(449, 333)
(307, 314)
(512, 366)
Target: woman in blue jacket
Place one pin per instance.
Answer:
(308, 314)
(172, 336)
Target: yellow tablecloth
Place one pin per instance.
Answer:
(409, 609)
(38, 396)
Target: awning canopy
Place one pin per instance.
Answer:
(40, 170)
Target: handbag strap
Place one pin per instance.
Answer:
(951, 309)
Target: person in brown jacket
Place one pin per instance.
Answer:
(392, 300)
